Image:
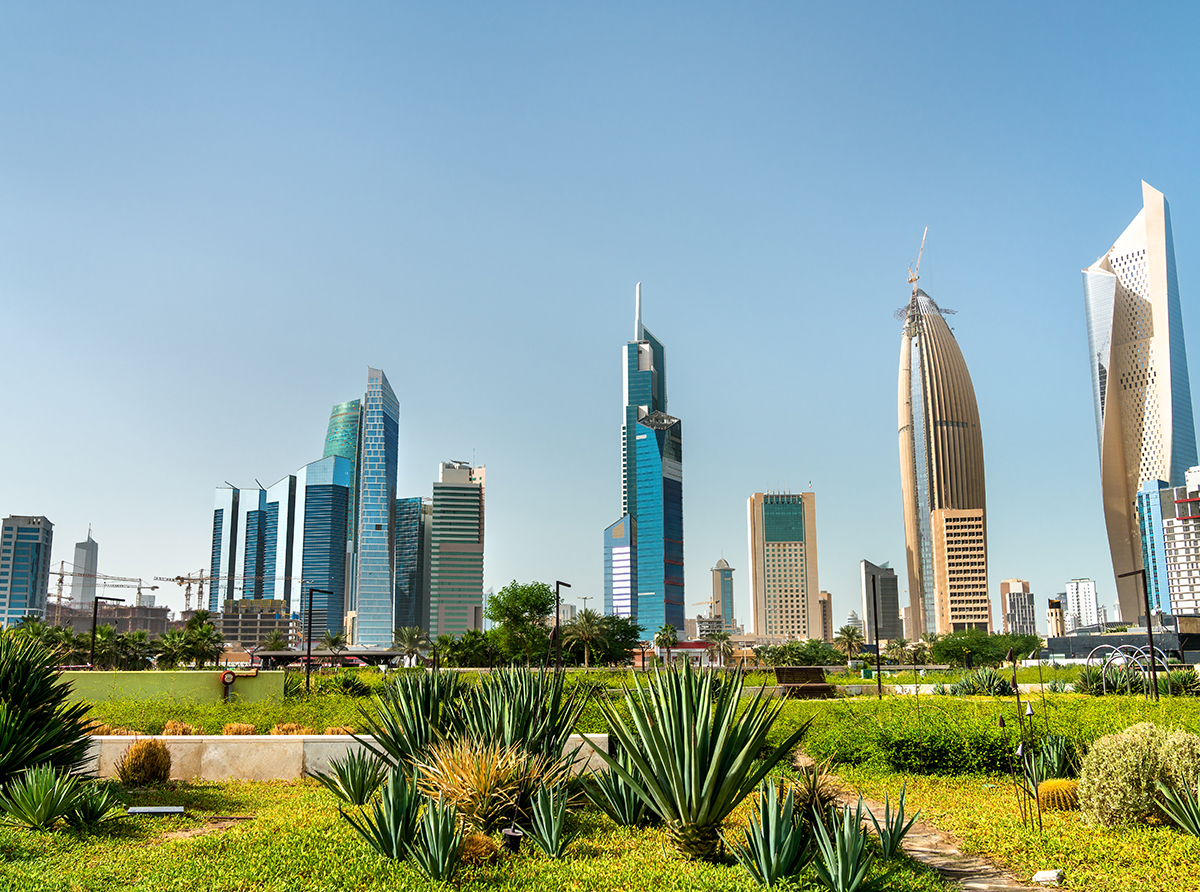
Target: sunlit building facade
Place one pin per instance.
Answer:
(941, 476)
(24, 567)
(413, 542)
(1140, 388)
(784, 584)
(456, 550)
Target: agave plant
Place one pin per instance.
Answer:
(894, 828)
(391, 826)
(37, 724)
(522, 707)
(409, 715)
(1056, 758)
(778, 842)
(438, 845)
(695, 750)
(95, 804)
(1181, 805)
(614, 796)
(39, 798)
(844, 860)
(355, 778)
(549, 831)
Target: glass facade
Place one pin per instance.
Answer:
(412, 563)
(1154, 543)
(651, 488)
(344, 438)
(224, 568)
(371, 598)
(323, 498)
(25, 544)
(456, 550)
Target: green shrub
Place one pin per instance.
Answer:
(1121, 772)
(37, 724)
(96, 804)
(983, 681)
(146, 761)
(39, 798)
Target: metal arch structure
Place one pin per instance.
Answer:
(1140, 657)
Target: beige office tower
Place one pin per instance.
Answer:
(1140, 388)
(783, 564)
(941, 476)
(1055, 626)
(456, 550)
(826, 601)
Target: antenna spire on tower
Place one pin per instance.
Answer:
(638, 329)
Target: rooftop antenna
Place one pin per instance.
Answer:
(637, 317)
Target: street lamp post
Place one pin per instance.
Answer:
(875, 618)
(557, 611)
(95, 612)
(308, 634)
(1149, 627)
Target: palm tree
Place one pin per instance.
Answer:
(587, 629)
(720, 646)
(849, 640)
(172, 648)
(444, 648)
(274, 640)
(667, 637)
(920, 652)
(334, 642)
(410, 641)
(135, 650)
(204, 645)
(897, 650)
(106, 647)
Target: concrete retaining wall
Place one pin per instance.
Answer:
(204, 685)
(267, 757)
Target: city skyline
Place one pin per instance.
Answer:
(476, 194)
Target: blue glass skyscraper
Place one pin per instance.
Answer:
(651, 485)
(322, 500)
(24, 568)
(371, 599)
(413, 518)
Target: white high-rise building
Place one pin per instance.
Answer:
(1080, 601)
(1143, 402)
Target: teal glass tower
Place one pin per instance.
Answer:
(370, 609)
(651, 488)
(24, 568)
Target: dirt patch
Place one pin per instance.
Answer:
(214, 824)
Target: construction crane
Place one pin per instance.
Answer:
(104, 579)
(187, 582)
(913, 275)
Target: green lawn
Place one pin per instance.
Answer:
(982, 812)
(296, 841)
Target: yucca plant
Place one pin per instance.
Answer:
(614, 796)
(549, 830)
(778, 842)
(1056, 758)
(438, 845)
(391, 825)
(844, 860)
(39, 798)
(1181, 805)
(37, 723)
(355, 778)
(524, 708)
(95, 804)
(409, 715)
(695, 749)
(894, 828)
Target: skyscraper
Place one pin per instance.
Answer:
(941, 475)
(323, 493)
(825, 602)
(722, 600)
(225, 534)
(24, 568)
(620, 568)
(343, 438)
(1016, 607)
(651, 485)
(370, 609)
(456, 550)
(413, 543)
(783, 564)
(87, 559)
(1082, 603)
(880, 585)
(1140, 388)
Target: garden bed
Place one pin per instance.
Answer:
(294, 841)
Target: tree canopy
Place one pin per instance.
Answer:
(520, 612)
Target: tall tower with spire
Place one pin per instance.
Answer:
(643, 551)
(941, 475)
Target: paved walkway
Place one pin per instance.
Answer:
(937, 849)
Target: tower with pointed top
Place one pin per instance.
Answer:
(1142, 397)
(643, 551)
(941, 476)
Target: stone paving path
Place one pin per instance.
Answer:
(937, 849)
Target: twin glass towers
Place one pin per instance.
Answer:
(643, 551)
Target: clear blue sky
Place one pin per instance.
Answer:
(213, 217)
